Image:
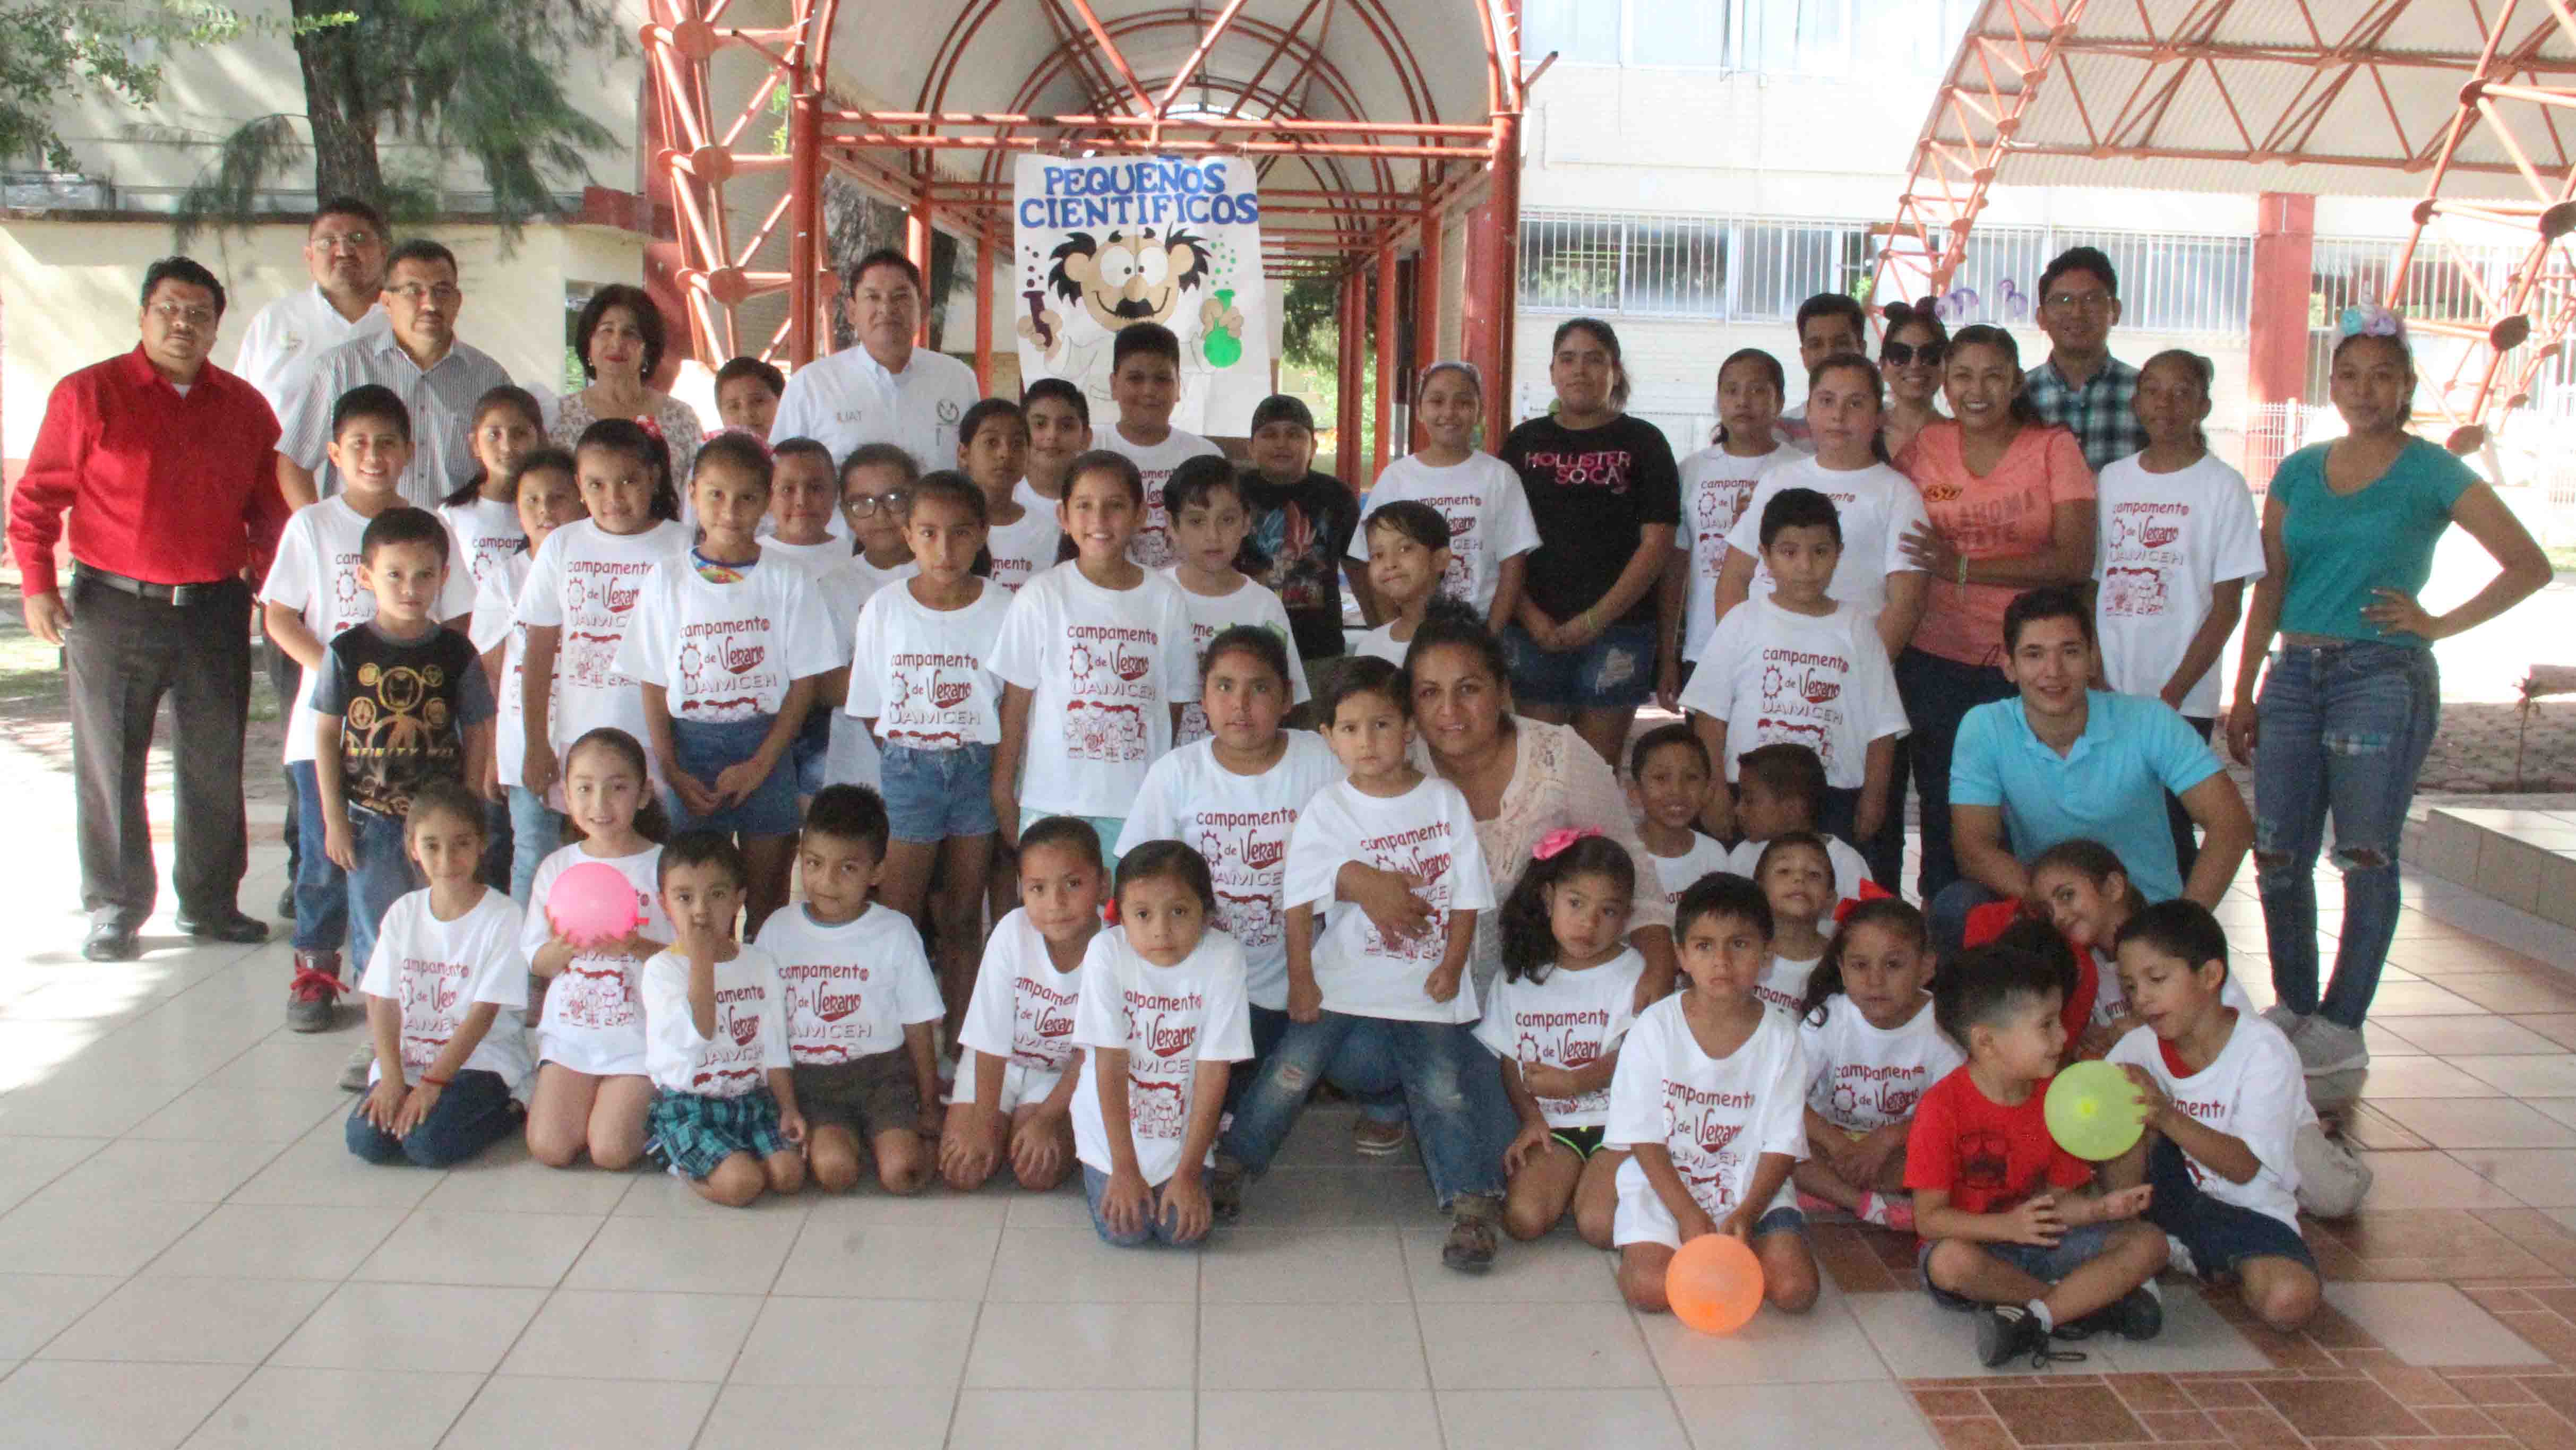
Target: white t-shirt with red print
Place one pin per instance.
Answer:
(1866, 1077)
(317, 573)
(1677, 874)
(1877, 505)
(727, 652)
(1211, 615)
(1024, 550)
(845, 589)
(852, 987)
(2167, 541)
(1777, 676)
(587, 582)
(1167, 1020)
(1716, 485)
(1569, 1020)
(750, 1039)
(2253, 1091)
(1151, 545)
(1429, 834)
(1103, 668)
(926, 675)
(594, 1019)
(1022, 1008)
(1488, 513)
(1784, 982)
(496, 621)
(1716, 1116)
(1241, 824)
(435, 971)
(485, 532)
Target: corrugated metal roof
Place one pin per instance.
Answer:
(2265, 95)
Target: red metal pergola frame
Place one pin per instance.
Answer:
(1355, 228)
(2021, 46)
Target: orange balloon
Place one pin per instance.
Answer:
(1714, 1284)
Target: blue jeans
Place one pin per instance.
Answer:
(326, 897)
(1451, 1084)
(536, 832)
(474, 1113)
(1938, 693)
(1157, 1229)
(384, 875)
(2343, 730)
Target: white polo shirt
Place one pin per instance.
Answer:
(277, 352)
(849, 398)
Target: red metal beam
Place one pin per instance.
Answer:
(1386, 363)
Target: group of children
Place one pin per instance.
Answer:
(1102, 750)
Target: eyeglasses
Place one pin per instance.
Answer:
(172, 314)
(2083, 301)
(342, 241)
(416, 294)
(893, 501)
(1904, 355)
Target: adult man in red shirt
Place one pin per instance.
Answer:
(169, 466)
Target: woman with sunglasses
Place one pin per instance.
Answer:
(1910, 359)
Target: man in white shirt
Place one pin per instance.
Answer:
(418, 356)
(885, 390)
(345, 252)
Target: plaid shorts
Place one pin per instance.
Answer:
(695, 1132)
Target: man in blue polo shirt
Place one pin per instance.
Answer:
(2065, 761)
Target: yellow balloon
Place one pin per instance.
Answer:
(2093, 1111)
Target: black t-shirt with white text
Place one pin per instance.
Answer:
(1591, 490)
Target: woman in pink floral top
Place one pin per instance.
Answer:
(620, 339)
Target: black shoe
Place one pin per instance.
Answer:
(2138, 1315)
(286, 904)
(108, 942)
(225, 924)
(2006, 1332)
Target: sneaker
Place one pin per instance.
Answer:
(2006, 1332)
(1889, 1211)
(1814, 1207)
(1225, 1190)
(353, 1073)
(314, 995)
(286, 904)
(1471, 1244)
(2138, 1315)
(2291, 1023)
(2326, 1048)
(1373, 1139)
(2178, 1257)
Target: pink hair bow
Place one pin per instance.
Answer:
(1554, 842)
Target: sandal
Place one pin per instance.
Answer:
(1472, 1240)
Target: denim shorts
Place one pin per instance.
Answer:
(1614, 672)
(706, 750)
(2046, 1263)
(931, 795)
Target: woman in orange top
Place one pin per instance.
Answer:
(2011, 503)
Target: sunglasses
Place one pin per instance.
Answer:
(1903, 354)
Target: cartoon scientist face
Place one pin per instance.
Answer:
(1137, 275)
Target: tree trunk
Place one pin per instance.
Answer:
(340, 103)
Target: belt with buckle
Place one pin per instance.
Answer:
(176, 595)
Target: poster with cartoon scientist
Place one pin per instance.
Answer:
(1102, 243)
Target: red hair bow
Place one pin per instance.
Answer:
(1554, 842)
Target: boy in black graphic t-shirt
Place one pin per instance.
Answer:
(400, 702)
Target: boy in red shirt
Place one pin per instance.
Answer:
(2007, 1218)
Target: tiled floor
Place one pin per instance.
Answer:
(189, 1256)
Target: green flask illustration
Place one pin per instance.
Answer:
(1222, 347)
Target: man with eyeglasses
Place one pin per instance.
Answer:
(345, 252)
(418, 356)
(885, 390)
(2081, 387)
(166, 464)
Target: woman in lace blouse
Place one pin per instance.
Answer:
(620, 339)
(1522, 778)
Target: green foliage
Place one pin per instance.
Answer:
(1306, 307)
(92, 43)
(462, 80)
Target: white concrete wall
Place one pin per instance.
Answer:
(67, 296)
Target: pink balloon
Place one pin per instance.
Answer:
(592, 903)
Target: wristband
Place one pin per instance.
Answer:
(437, 1082)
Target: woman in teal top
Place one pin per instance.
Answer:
(2349, 704)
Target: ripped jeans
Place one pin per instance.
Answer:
(2343, 731)
(1452, 1087)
